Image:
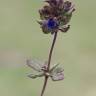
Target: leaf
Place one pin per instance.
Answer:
(54, 67)
(56, 73)
(34, 64)
(33, 76)
(57, 76)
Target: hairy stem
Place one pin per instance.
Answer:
(51, 50)
(49, 61)
(44, 86)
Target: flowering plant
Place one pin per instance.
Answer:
(55, 17)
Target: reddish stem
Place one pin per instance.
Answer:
(44, 86)
(49, 61)
(51, 50)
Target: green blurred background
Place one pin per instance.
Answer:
(21, 38)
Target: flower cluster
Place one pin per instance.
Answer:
(55, 16)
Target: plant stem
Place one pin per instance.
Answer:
(44, 86)
(51, 50)
(49, 61)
